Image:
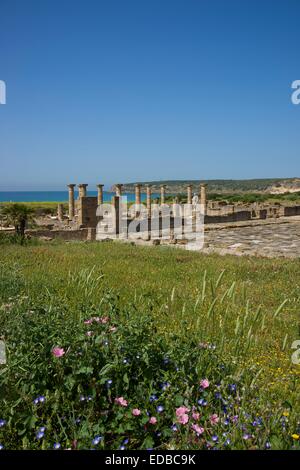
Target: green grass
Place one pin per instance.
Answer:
(247, 307)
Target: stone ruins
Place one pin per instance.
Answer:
(260, 229)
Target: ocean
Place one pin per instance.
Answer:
(57, 196)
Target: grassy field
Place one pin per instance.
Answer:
(231, 320)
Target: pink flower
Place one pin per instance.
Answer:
(136, 412)
(89, 333)
(197, 429)
(214, 419)
(121, 401)
(183, 419)
(204, 383)
(195, 416)
(182, 410)
(152, 420)
(104, 320)
(58, 352)
(113, 328)
(88, 322)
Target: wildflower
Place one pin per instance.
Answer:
(89, 333)
(202, 402)
(285, 413)
(153, 398)
(125, 441)
(204, 383)
(159, 409)
(41, 399)
(182, 410)
(136, 412)
(234, 418)
(296, 437)
(232, 387)
(121, 401)
(125, 361)
(108, 383)
(174, 428)
(88, 322)
(104, 320)
(227, 442)
(96, 440)
(218, 395)
(214, 419)
(196, 416)
(214, 438)
(56, 445)
(81, 398)
(267, 445)
(2, 423)
(197, 429)
(1, 447)
(246, 436)
(152, 420)
(183, 418)
(165, 385)
(40, 434)
(166, 360)
(58, 352)
(122, 447)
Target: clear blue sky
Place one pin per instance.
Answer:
(123, 90)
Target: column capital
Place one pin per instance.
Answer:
(100, 185)
(82, 185)
(71, 185)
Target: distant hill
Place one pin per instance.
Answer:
(269, 185)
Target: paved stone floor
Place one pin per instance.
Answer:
(274, 240)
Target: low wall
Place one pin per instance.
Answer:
(80, 234)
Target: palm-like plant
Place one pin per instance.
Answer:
(17, 215)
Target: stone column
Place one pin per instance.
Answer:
(162, 193)
(60, 212)
(148, 200)
(100, 194)
(189, 194)
(116, 216)
(203, 199)
(118, 190)
(71, 201)
(137, 194)
(82, 190)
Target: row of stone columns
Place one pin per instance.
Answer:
(83, 192)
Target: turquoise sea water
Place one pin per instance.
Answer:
(59, 196)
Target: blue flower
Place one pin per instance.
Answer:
(215, 438)
(2, 423)
(1, 447)
(56, 445)
(159, 409)
(227, 442)
(153, 398)
(202, 402)
(108, 383)
(174, 427)
(166, 360)
(42, 429)
(82, 398)
(125, 361)
(40, 434)
(165, 385)
(218, 395)
(96, 440)
(122, 447)
(36, 401)
(89, 398)
(268, 445)
(41, 399)
(232, 387)
(125, 441)
(246, 436)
